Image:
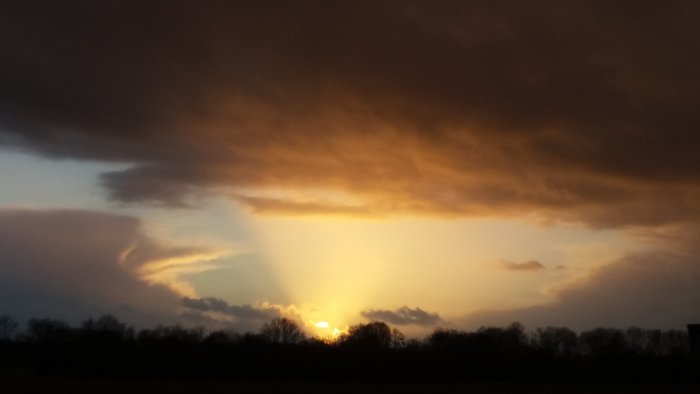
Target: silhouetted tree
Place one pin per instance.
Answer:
(282, 330)
(398, 340)
(171, 335)
(104, 348)
(641, 341)
(443, 339)
(374, 335)
(254, 340)
(603, 342)
(48, 330)
(106, 323)
(221, 337)
(412, 344)
(559, 341)
(106, 329)
(180, 334)
(8, 328)
(492, 341)
(674, 342)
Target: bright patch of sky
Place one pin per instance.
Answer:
(32, 182)
(448, 266)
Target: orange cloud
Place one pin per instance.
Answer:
(582, 113)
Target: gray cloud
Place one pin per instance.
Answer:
(72, 264)
(245, 312)
(657, 289)
(532, 265)
(581, 110)
(404, 316)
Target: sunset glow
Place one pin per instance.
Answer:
(422, 164)
(322, 324)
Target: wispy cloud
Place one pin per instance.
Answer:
(77, 263)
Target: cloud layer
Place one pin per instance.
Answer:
(656, 289)
(581, 110)
(74, 264)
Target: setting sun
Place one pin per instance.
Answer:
(445, 166)
(392, 191)
(322, 324)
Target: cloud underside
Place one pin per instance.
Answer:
(211, 304)
(404, 316)
(581, 111)
(216, 313)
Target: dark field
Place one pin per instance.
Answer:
(205, 387)
(52, 357)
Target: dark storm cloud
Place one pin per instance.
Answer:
(404, 316)
(72, 264)
(574, 110)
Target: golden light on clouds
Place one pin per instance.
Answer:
(397, 154)
(170, 271)
(340, 266)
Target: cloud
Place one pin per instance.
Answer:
(73, 264)
(278, 206)
(217, 313)
(653, 289)
(532, 265)
(235, 311)
(578, 112)
(404, 316)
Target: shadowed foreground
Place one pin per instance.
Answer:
(214, 387)
(52, 356)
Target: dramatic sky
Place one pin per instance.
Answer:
(424, 163)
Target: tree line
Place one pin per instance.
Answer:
(281, 350)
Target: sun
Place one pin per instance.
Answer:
(326, 332)
(322, 324)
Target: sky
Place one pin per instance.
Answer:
(427, 164)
